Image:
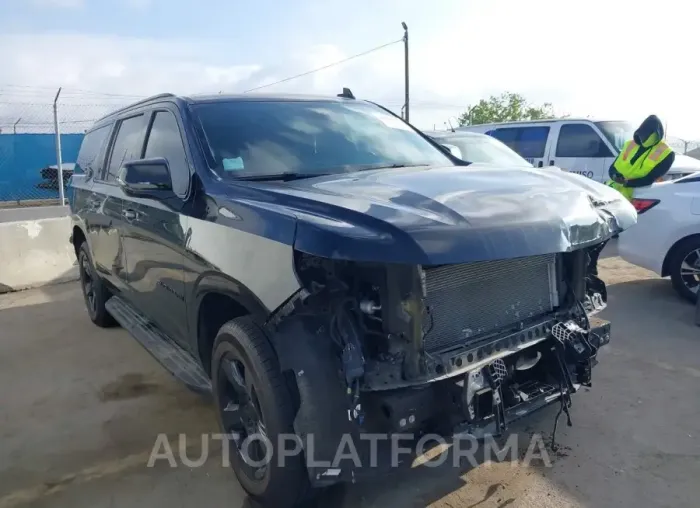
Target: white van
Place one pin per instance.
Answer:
(582, 146)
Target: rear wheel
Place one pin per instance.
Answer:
(684, 268)
(255, 409)
(94, 291)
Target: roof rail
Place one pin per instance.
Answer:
(142, 101)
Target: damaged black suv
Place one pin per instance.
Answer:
(327, 271)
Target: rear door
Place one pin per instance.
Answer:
(530, 142)
(154, 232)
(126, 145)
(87, 198)
(580, 149)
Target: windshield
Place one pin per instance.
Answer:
(483, 148)
(257, 138)
(618, 133)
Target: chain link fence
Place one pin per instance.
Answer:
(28, 151)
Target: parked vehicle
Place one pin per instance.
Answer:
(581, 146)
(329, 272)
(666, 240)
(479, 148)
(50, 174)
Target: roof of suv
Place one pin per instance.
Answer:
(193, 99)
(208, 98)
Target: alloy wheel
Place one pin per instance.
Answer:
(88, 283)
(690, 270)
(241, 416)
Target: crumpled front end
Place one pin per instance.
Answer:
(389, 349)
(460, 311)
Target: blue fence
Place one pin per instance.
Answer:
(22, 159)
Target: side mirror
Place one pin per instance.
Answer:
(454, 150)
(146, 178)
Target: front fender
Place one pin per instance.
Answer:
(306, 356)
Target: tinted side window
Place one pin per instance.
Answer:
(529, 142)
(127, 145)
(164, 140)
(509, 136)
(580, 140)
(533, 141)
(89, 160)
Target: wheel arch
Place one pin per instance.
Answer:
(665, 269)
(77, 238)
(217, 299)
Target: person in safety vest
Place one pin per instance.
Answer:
(642, 160)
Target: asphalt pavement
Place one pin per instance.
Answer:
(81, 409)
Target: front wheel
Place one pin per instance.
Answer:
(684, 268)
(254, 406)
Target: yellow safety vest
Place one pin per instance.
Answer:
(641, 167)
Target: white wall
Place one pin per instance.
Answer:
(36, 252)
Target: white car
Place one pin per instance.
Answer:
(479, 148)
(666, 238)
(577, 145)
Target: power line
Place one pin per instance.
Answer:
(325, 66)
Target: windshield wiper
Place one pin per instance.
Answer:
(283, 177)
(287, 176)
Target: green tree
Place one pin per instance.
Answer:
(507, 107)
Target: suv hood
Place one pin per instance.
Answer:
(450, 214)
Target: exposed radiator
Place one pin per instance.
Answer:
(467, 301)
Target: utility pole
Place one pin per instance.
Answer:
(405, 55)
(59, 163)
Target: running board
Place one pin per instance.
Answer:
(167, 352)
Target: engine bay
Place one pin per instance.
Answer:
(536, 342)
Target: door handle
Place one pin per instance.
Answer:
(129, 214)
(540, 164)
(551, 163)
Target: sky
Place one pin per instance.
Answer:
(609, 59)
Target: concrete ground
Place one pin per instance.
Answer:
(80, 409)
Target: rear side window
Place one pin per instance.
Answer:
(580, 140)
(164, 140)
(89, 160)
(529, 142)
(127, 145)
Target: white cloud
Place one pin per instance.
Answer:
(577, 56)
(117, 65)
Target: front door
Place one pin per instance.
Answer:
(581, 149)
(154, 235)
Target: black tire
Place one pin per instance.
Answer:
(243, 343)
(94, 291)
(685, 284)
